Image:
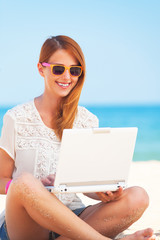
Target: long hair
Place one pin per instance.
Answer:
(67, 109)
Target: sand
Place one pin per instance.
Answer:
(146, 175)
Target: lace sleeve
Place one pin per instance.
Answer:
(85, 119)
(7, 140)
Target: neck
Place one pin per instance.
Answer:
(48, 103)
(47, 108)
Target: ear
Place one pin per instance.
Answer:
(40, 69)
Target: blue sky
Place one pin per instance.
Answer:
(120, 40)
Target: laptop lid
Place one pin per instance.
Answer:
(97, 156)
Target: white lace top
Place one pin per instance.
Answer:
(34, 147)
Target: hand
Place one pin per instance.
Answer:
(110, 196)
(49, 180)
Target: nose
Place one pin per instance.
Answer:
(66, 74)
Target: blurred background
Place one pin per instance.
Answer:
(121, 43)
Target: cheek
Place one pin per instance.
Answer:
(75, 81)
(48, 81)
(50, 78)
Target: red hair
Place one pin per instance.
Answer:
(67, 110)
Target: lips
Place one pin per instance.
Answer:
(64, 85)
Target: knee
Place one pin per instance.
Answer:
(25, 178)
(137, 198)
(24, 181)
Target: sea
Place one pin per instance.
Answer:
(146, 118)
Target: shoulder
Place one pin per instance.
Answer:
(84, 112)
(85, 118)
(22, 112)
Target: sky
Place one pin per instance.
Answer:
(120, 40)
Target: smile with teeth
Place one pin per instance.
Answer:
(63, 84)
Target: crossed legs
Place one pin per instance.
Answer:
(114, 217)
(31, 211)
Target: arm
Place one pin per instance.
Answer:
(6, 169)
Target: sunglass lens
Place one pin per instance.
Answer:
(58, 70)
(75, 71)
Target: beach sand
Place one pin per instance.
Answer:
(146, 175)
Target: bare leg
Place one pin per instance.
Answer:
(112, 218)
(31, 211)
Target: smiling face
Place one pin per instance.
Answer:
(59, 86)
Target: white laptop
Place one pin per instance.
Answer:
(94, 160)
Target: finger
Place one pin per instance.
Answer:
(114, 195)
(51, 177)
(120, 189)
(103, 197)
(46, 182)
(109, 193)
(118, 193)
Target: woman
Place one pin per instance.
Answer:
(29, 150)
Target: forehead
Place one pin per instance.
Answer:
(64, 57)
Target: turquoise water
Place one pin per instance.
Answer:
(146, 118)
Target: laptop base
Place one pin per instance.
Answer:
(86, 189)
